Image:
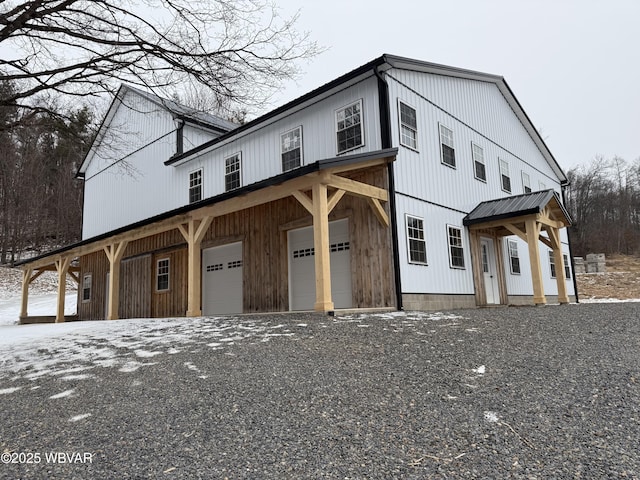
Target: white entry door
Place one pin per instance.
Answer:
(489, 271)
(222, 279)
(302, 279)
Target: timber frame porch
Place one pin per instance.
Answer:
(318, 187)
(527, 216)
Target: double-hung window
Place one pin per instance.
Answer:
(162, 275)
(552, 264)
(567, 266)
(456, 251)
(505, 179)
(408, 125)
(291, 149)
(195, 186)
(232, 172)
(479, 169)
(514, 260)
(447, 149)
(526, 183)
(86, 287)
(349, 127)
(416, 244)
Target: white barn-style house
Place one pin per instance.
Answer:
(402, 184)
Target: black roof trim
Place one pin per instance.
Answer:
(271, 181)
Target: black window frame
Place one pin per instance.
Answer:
(195, 185)
(447, 151)
(291, 157)
(349, 129)
(414, 242)
(514, 260)
(408, 123)
(456, 247)
(233, 172)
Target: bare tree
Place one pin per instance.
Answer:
(240, 50)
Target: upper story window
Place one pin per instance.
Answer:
(514, 260)
(526, 183)
(233, 172)
(505, 179)
(479, 169)
(456, 252)
(86, 287)
(416, 244)
(408, 125)
(291, 148)
(446, 147)
(195, 186)
(349, 127)
(162, 275)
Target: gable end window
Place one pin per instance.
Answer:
(479, 168)
(505, 179)
(232, 173)
(195, 186)
(514, 260)
(456, 251)
(291, 149)
(526, 183)
(446, 147)
(349, 127)
(408, 126)
(162, 275)
(416, 245)
(86, 287)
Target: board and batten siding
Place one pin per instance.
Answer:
(495, 128)
(260, 149)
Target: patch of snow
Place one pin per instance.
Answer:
(491, 417)
(6, 391)
(608, 300)
(146, 354)
(480, 370)
(66, 393)
(77, 418)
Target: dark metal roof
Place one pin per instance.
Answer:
(275, 180)
(515, 206)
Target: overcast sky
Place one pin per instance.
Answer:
(574, 65)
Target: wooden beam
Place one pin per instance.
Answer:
(62, 266)
(194, 232)
(26, 281)
(304, 200)
(561, 277)
(533, 233)
(74, 276)
(114, 252)
(358, 189)
(516, 231)
(324, 302)
(359, 166)
(334, 199)
(381, 215)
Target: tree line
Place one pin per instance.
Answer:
(40, 198)
(603, 199)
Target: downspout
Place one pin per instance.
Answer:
(385, 136)
(573, 265)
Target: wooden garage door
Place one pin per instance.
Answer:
(222, 279)
(302, 280)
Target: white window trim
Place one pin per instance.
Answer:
(335, 124)
(473, 158)
(509, 243)
(424, 240)
(299, 127)
(455, 160)
(462, 243)
(84, 287)
(401, 124)
(201, 170)
(526, 183)
(168, 260)
(500, 163)
(239, 155)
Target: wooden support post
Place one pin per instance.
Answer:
(62, 266)
(554, 236)
(193, 232)
(114, 252)
(26, 281)
(476, 266)
(324, 303)
(533, 232)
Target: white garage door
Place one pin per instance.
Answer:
(222, 279)
(302, 279)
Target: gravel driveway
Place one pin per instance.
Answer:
(546, 392)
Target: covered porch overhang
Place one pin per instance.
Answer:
(535, 218)
(318, 187)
